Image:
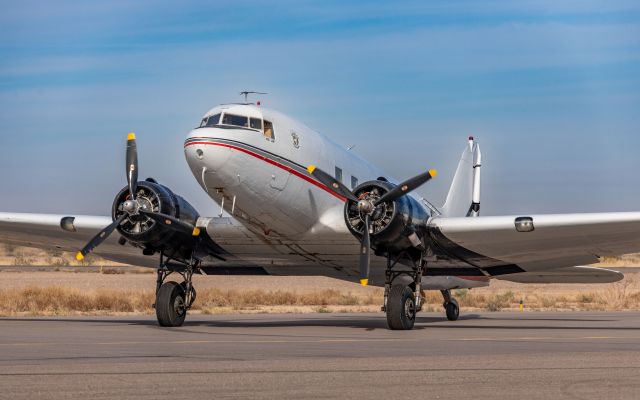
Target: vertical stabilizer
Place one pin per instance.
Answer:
(463, 199)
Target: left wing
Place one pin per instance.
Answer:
(328, 255)
(512, 244)
(44, 231)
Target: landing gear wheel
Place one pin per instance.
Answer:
(401, 308)
(171, 307)
(452, 310)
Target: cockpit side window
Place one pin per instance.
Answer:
(255, 123)
(213, 120)
(237, 120)
(268, 130)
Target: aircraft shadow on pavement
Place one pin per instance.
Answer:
(366, 322)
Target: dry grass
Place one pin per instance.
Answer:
(624, 295)
(54, 300)
(11, 254)
(53, 293)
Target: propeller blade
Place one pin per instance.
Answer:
(331, 182)
(132, 164)
(365, 250)
(406, 187)
(175, 223)
(99, 238)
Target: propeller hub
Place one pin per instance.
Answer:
(130, 206)
(365, 206)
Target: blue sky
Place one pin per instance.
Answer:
(551, 90)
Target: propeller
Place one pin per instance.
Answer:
(175, 223)
(132, 165)
(132, 207)
(332, 183)
(367, 207)
(99, 238)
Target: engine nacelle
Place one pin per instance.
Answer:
(392, 223)
(144, 232)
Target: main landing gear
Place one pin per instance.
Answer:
(403, 296)
(173, 299)
(402, 299)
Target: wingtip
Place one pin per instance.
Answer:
(79, 256)
(433, 173)
(311, 168)
(131, 136)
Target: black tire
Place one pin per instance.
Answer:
(170, 305)
(401, 308)
(452, 310)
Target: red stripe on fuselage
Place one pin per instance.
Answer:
(272, 162)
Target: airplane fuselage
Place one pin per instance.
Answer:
(252, 161)
(263, 178)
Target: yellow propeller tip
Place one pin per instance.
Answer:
(196, 232)
(79, 256)
(364, 282)
(131, 136)
(311, 168)
(433, 173)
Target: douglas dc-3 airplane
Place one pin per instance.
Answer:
(303, 205)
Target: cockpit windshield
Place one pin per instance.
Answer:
(220, 119)
(236, 120)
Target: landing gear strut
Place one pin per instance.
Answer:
(402, 298)
(450, 306)
(173, 300)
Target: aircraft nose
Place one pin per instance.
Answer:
(205, 153)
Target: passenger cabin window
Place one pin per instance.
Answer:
(268, 130)
(338, 174)
(236, 120)
(354, 182)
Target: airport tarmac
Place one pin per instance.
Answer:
(484, 355)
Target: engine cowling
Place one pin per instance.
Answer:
(392, 223)
(146, 233)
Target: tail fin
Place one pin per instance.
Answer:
(463, 199)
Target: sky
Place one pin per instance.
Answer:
(551, 90)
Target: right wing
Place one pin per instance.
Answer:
(566, 275)
(494, 245)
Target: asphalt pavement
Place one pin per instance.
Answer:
(484, 355)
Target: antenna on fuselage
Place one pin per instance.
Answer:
(247, 93)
